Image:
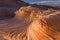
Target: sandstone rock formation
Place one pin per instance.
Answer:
(31, 23)
(26, 12)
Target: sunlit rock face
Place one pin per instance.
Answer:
(31, 23)
(27, 12)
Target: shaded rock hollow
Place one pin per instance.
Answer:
(8, 7)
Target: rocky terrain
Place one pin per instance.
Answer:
(8, 7)
(22, 21)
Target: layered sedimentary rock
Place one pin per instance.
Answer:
(45, 24)
(30, 23)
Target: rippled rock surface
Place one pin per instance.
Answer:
(31, 23)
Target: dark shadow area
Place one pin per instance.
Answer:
(8, 8)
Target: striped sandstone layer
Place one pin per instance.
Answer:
(30, 23)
